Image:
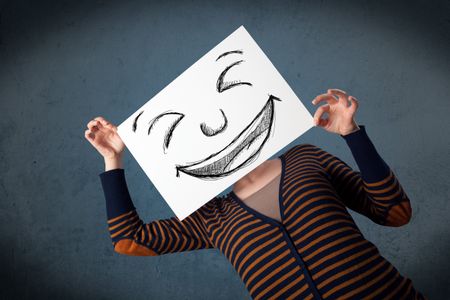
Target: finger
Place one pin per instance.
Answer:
(354, 104)
(99, 118)
(319, 112)
(342, 96)
(89, 135)
(93, 125)
(337, 91)
(324, 97)
(104, 122)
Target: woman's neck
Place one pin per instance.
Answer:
(254, 176)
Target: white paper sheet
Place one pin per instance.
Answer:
(221, 118)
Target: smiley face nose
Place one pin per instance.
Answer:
(209, 131)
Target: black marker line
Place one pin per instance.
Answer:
(229, 52)
(221, 86)
(169, 132)
(208, 131)
(135, 122)
(220, 167)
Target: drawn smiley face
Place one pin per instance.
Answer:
(243, 149)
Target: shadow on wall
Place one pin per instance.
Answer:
(26, 280)
(432, 273)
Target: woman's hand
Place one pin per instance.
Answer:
(104, 137)
(340, 113)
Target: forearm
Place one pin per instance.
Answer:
(117, 196)
(113, 163)
(375, 190)
(372, 167)
(118, 200)
(380, 186)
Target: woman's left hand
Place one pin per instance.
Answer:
(340, 113)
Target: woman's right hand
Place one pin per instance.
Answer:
(104, 137)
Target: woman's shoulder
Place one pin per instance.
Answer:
(216, 204)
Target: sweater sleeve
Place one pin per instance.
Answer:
(374, 191)
(131, 236)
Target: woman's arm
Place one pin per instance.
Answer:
(131, 236)
(374, 191)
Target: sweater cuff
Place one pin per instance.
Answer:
(117, 196)
(372, 167)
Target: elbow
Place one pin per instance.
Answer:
(399, 214)
(401, 222)
(122, 247)
(408, 214)
(132, 248)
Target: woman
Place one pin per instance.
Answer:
(285, 225)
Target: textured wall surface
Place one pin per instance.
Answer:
(63, 63)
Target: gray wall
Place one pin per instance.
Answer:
(64, 63)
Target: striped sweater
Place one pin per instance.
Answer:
(315, 252)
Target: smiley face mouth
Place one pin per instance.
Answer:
(243, 150)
